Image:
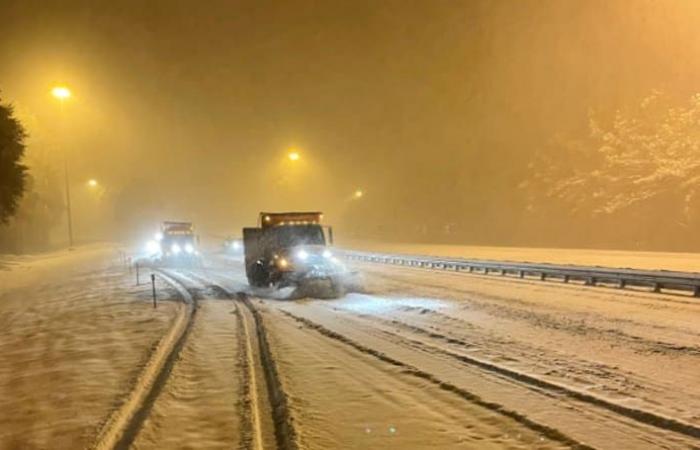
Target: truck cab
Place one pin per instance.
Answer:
(290, 248)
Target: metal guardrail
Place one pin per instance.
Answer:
(591, 276)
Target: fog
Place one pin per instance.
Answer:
(436, 110)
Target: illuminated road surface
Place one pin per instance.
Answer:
(416, 360)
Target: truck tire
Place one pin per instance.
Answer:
(257, 275)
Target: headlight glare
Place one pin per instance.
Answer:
(152, 247)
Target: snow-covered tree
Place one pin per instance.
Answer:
(646, 157)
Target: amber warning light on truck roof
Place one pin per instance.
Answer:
(174, 228)
(290, 218)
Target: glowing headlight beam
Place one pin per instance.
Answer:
(152, 247)
(302, 255)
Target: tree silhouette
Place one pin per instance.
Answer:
(12, 171)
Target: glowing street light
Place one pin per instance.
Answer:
(358, 194)
(293, 156)
(92, 183)
(61, 92)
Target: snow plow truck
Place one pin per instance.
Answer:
(178, 243)
(293, 249)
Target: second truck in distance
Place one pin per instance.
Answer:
(177, 244)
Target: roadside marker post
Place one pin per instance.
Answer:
(138, 281)
(153, 287)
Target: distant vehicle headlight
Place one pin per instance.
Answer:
(175, 248)
(189, 249)
(152, 247)
(327, 254)
(236, 245)
(302, 255)
(159, 236)
(282, 263)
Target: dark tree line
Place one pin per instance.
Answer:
(12, 171)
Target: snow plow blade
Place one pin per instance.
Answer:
(324, 288)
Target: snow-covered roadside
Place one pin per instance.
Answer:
(684, 262)
(74, 333)
(18, 271)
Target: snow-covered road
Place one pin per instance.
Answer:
(418, 359)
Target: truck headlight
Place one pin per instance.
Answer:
(175, 248)
(189, 249)
(152, 247)
(327, 254)
(302, 255)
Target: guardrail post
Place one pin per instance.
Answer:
(566, 278)
(696, 291)
(657, 287)
(503, 272)
(137, 275)
(622, 284)
(486, 270)
(521, 273)
(543, 276)
(591, 281)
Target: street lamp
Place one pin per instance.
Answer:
(92, 183)
(62, 93)
(293, 156)
(358, 194)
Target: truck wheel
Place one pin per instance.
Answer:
(259, 276)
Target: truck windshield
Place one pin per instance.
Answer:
(291, 236)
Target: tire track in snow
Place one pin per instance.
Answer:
(550, 432)
(286, 434)
(249, 412)
(124, 424)
(638, 414)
